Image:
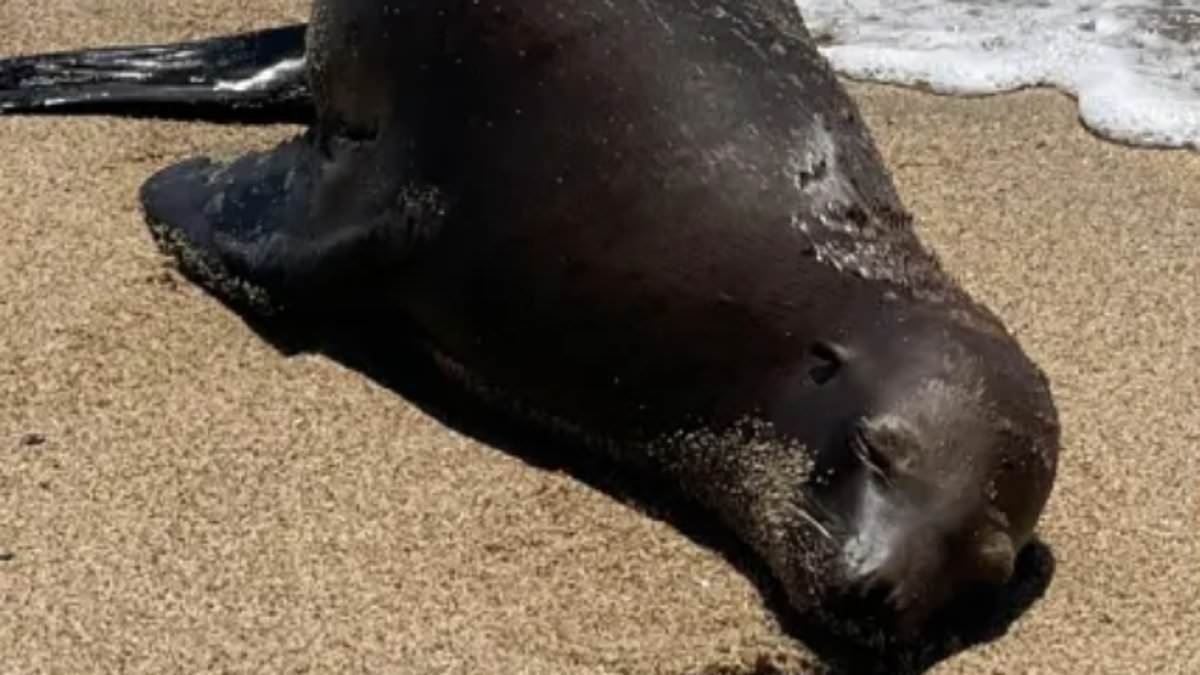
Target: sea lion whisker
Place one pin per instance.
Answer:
(812, 520)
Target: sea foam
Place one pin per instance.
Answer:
(1133, 65)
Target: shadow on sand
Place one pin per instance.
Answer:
(389, 355)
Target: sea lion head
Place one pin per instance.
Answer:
(935, 463)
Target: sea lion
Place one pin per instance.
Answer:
(661, 226)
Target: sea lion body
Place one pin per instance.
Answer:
(625, 242)
(663, 226)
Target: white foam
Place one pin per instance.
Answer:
(1133, 65)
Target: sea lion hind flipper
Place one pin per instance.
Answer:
(291, 226)
(257, 76)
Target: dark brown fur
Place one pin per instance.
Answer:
(663, 226)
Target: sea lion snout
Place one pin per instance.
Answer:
(904, 567)
(915, 533)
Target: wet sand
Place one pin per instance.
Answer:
(178, 496)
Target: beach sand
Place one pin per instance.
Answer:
(178, 496)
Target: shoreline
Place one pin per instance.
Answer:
(1032, 88)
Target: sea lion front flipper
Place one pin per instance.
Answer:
(279, 229)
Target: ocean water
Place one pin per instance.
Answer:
(1132, 65)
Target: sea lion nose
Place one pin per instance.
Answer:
(910, 584)
(894, 602)
(882, 589)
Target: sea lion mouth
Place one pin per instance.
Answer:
(877, 533)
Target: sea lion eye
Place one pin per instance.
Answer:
(825, 363)
(876, 462)
(888, 446)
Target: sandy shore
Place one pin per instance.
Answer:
(177, 496)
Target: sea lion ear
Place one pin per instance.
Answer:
(996, 558)
(826, 359)
(892, 443)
